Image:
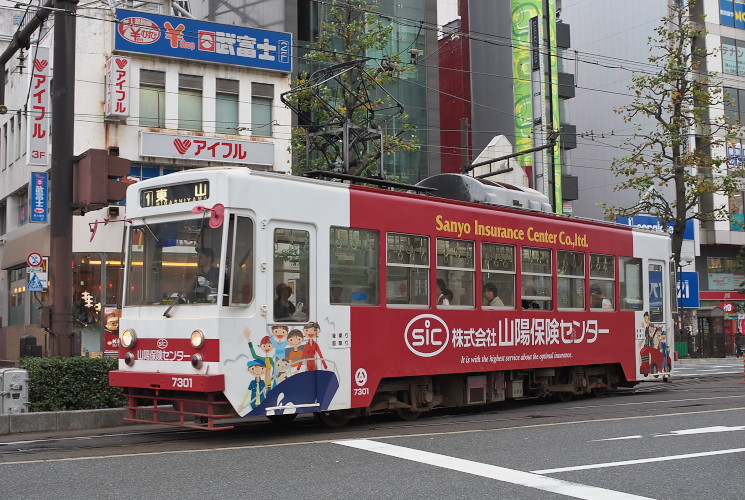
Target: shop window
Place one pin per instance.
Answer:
(455, 272)
(498, 276)
(190, 102)
(354, 264)
(226, 106)
(536, 278)
(291, 274)
(602, 279)
(571, 279)
(407, 269)
(261, 109)
(16, 297)
(152, 98)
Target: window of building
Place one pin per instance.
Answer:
(4, 147)
(536, 278)
(22, 204)
(734, 103)
(354, 256)
(189, 102)
(152, 98)
(10, 147)
(240, 258)
(291, 274)
(226, 106)
(3, 218)
(19, 134)
(498, 275)
(407, 259)
(571, 279)
(733, 56)
(723, 273)
(630, 280)
(455, 272)
(602, 279)
(261, 109)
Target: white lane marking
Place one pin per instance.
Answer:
(503, 474)
(703, 430)
(639, 461)
(683, 432)
(617, 439)
(688, 400)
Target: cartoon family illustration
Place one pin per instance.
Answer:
(654, 350)
(286, 353)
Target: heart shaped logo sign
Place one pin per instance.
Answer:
(40, 65)
(182, 146)
(121, 63)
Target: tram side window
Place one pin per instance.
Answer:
(536, 278)
(291, 274)
(455, 272)
(241, 261)
(354, 256)
(571, 272)
(602, 279)
(630, 279)
(407, 269)
(498, 275)
(656, 294)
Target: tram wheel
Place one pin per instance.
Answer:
(407, 414)
(333, 419)
(282, 419)
(600, 392)
(563, 396)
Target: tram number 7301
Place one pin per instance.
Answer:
(182, 382)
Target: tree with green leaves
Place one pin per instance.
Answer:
(348, 121)
(684, 150)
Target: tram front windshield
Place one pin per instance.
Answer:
(174, 262)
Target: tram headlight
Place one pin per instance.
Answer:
(197, 339)
(197, 360)
(129, 338)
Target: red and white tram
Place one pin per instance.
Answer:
(255, 294)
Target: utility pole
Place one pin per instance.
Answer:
(63, 136)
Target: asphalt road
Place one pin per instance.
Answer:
(682, 440)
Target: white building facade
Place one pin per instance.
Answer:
(165, 91)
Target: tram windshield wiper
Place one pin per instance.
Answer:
(176, 300)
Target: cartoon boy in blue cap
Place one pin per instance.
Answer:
(257, 386)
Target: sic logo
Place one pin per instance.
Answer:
(427, 335)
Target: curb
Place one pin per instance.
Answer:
(50, 421)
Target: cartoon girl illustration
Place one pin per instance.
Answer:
(312, 349)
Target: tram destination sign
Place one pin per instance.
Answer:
(175, 193)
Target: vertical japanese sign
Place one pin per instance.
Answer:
(39, 196)
(543, 83)
(118, 80)
(38, 109)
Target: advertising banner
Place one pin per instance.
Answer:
(179, 37)
(39, 196)
(118, 79)
(38, 109)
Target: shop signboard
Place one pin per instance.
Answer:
(183, 38)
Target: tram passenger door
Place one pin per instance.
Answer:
(292, 275)
(658, 337)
